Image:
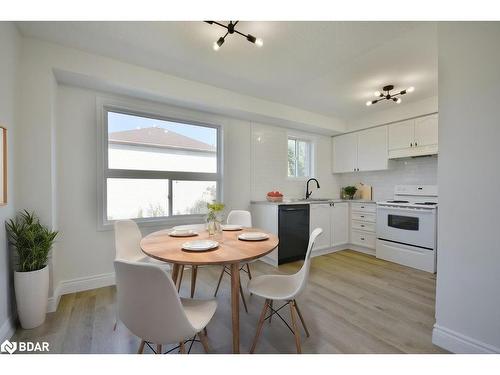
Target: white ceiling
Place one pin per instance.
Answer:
(331, 68)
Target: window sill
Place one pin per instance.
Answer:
(160, 223)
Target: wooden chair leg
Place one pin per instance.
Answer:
(182, 348)
(294, 326)
(158, 349)
(220, 279)
(243, 299)
(301, 318)
(194, 273)
(181, 273)
(205, 331)
(249, 273)
(141, 347)
(204, 342)
(259, 326)
(270, 316)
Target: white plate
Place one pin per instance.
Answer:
(253, 236)
(183, 233)
(200, 245)
(232, 227)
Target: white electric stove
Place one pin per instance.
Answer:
(407, 227)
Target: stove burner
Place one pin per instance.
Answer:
(427, 203)
(398, 202)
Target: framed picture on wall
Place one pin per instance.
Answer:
(3, 166)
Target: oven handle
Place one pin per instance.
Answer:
(415, 210)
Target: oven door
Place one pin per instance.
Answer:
(410, 226)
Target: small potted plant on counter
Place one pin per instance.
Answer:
(32, 242)
(350, 191)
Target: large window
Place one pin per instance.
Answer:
(156, 168)
(299, 157)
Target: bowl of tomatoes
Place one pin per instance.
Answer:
(274, 196)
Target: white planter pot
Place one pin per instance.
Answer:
(32, 293)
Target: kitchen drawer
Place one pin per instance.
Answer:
(361, 216)
(363, 239)
(364, 207)
(362, 225)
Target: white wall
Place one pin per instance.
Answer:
(270, 164)
(417, 171)
(468, 264)
(9, 45)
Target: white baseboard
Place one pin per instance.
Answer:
(458, 343)
(78, 285)
(7, 329)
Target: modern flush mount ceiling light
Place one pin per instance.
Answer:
(231, 30)
(388, 96)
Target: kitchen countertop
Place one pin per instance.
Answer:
(312, 201)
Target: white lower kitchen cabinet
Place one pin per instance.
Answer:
(339, 224)
(333, 218)
(320, 217)
(363, 226)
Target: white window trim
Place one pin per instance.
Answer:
(313, 141)
(104, 104)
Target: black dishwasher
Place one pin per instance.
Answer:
(293, 232)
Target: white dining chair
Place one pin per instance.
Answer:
(150, 307)
(283, 288)
(128, 246)
(243, 218)
(194, 269)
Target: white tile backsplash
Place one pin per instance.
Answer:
(416, 171)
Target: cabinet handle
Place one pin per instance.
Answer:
(362, 206)
(415, 144)
(362, 238)
(362, 216)
(362, 225)
(411, 144)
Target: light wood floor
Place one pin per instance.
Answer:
(354, 303)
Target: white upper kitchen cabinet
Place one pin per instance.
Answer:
(365, 150)
(372, 149)
(401, 135)
(345, 153)
(319, 217)
(426, 131)
(415, 137)
(339, 223)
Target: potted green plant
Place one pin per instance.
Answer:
(214, 219)
(350, 191)
(32, 242)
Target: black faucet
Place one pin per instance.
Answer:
(308, 193)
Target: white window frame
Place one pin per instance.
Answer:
(103, 107)
(312, 154)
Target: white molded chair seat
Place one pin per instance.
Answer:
(283, 288)
(150, 307)
(199, 312)
(274, 287)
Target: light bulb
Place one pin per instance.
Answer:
(259, 42)
(369, 103)
(215, 46)
(410, 89)
(376, 93)
(398, 100)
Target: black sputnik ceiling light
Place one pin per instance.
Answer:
(386, 95)
(231, 30)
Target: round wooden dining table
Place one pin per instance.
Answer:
(231, 251)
